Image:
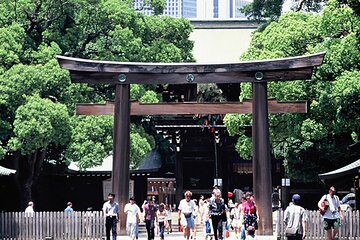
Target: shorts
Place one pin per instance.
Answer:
(190, 222)
(331, 223)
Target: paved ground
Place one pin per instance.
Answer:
(176, 235)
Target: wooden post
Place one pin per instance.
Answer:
(261, 164)
(121, 150)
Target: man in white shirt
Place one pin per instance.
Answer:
(332, 215)
(111, 211)
(186, 216)
(29, 211)
(132, 211)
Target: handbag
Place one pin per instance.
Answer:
(291, 231)
(324, 206)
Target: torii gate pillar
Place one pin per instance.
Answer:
(261, 161)
(121, 147)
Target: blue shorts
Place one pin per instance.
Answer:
(190, 222)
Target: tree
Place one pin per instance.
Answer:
(317, 141)
(32, 34)
(38, 124)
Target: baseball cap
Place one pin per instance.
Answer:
(296, 197)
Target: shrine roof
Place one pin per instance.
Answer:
(351, 168)
(6, 171)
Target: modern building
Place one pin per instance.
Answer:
(198, 9)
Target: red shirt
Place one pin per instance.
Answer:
(249, 208)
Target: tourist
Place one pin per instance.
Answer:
(111, 212)
(169, 218)
(332, 213)
(295, 219)
(150, 216)
(132, 212)
(186, 214)
(29, 211)
(250, 213)
(161, 219)
(250, 233)
(217, 213)
(350, 199)
(69, 207)
(241, 227)
(202, 207)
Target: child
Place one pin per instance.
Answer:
(250, 235)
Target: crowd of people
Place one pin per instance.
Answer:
(213, 214)
(216, 216)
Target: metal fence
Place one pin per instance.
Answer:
(349, 230)
(52, 225)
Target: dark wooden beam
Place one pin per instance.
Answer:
(181, 78)
(191, 108)
(91, 71)
(85, 65)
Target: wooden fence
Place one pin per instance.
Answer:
(349, 230)
(90, 225)
(52, 225)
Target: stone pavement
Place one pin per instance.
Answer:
(199, 236)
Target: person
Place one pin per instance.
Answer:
(217, 213)
(169, 218)
(275, 200)
(111, 212)
(295, 217)
(250, 213)
(29, 211)
(250, 233)
(350, 199)
(150, 217)
(132, 212)
(161, 219)
(241, 227)
(201, 208)
(186, 210)
(332, 213)
(69, 207)
(87, 220)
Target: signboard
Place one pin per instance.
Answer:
(218, 182)
(285, 182)
(107, 188)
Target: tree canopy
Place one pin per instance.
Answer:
(37, 98)
(317, 141)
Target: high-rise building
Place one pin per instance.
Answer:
(189, 8)
(198, 9)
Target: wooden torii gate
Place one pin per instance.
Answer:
(122, 74)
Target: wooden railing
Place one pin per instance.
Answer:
(52, 225)
(349, 230)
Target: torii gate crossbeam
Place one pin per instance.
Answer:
(257, 72)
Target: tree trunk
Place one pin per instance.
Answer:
(31, 170)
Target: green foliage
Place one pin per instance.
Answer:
(263, 9)
(38, 123)
(2, 151)
(11, 39)
(32, 33)
(317, 141)
(85, 146)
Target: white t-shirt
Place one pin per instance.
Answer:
(187, 206)
(331, 213)
(132, 210)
